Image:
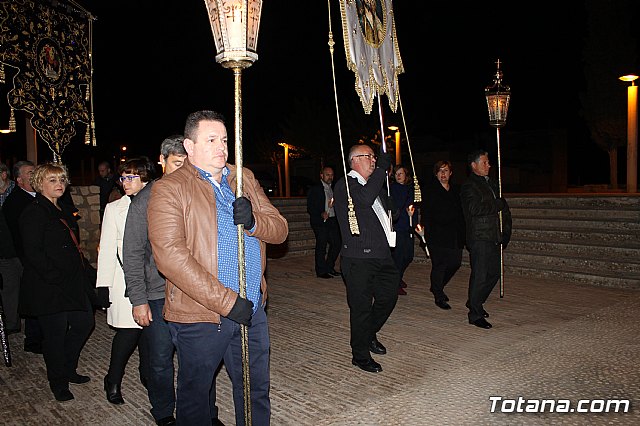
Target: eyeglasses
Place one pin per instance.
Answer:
(370, 156)
(129, 178)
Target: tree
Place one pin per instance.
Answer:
(609, 52)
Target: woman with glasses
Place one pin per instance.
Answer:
(134, 175)
(53, 287)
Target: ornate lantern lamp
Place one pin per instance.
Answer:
(498, 96)
(235, 25)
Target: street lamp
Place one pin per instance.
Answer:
(398, 151)
(632, 133)
(235, 25)
(287, 179)
(498, 96)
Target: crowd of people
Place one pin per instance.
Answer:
(168, 273)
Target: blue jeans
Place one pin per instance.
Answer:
(201, 347)
(160, 349)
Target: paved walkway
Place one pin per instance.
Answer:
(551, 340)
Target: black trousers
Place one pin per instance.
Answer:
(327, 234)
(124, 343)
(445, 262)
(484, 257)
(403, 252)
(64, 336)
(372, 293)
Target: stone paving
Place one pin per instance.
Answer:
(551, 340)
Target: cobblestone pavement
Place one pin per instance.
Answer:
(551, 340)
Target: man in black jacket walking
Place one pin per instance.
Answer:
(481, 205)
(324, 224)
(368, 270)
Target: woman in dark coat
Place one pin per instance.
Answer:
(53, 285)
(444, 230)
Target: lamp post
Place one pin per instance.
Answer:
(287, 179)
(498, 96)
(235, 25)
(632, 133)
(396, 129)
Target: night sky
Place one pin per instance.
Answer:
(154, 63)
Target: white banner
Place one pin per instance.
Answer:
(371, 48)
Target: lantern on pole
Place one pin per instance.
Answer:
(498, 96)
(235, 25)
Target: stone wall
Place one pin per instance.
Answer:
(87, 201)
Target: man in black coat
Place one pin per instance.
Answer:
(324, 224)
(22, 196)
(368, 269)
(483, 210)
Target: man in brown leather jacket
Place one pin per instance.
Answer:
(193, 214)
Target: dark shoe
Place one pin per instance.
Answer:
(79, 379)
(114, 393)
(216, 422)
(401, 291)
(368, 365)
(403, 284)
(334, 273)
(377, 347)
(326, 276)
(34, 348)
(485, 314)
(445, 297)
(166, 421)
(442, 304)
(482, 323)
(62, 394)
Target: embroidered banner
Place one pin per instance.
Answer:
(371, 48)
(48, 43)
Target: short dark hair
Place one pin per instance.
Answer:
(194, 119)
(475, 155)
(19, 165)
(140, 166)
(173, 145)
(440, 164)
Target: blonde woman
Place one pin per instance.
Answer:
(53, 287)
(134, 175)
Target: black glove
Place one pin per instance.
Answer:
(384, 161)
(243, 213)
(501, 204)
(102, 294)
(241, 311)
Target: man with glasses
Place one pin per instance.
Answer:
(368, 269)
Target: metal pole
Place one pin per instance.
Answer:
(500, 216)
(244, 330)
(632, 138)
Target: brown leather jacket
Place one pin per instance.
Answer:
(182, 230)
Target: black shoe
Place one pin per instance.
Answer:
(377, 347)
(34, 348)
(166, 421)
(403, 284)
(485, 313)
(334, 273)
(216, 422)
(442, 304)
(445, 297)
(78, 379)
(114, 393)
(482, 323)
(326, 275)
(368, 365)
(62, 394)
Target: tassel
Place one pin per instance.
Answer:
(353, 221)
(417, 194)
(12, 122)
(2, 75)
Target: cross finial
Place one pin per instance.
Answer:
(498, 63)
